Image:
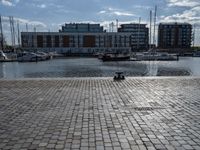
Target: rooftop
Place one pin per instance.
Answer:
(174, 23)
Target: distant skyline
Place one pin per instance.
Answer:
(49, 15)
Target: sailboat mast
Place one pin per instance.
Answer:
(150, 29)
(12, 29)
(154, 28)
(116, 25)
(1, 30)
(18, 33)
(13, 26)
(193, 35)
(26, 27)
(138, 37)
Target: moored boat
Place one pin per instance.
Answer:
(115, 57)
(196, 54)
(2, 55)
(29, 57)
(43, 55)
(153, 55)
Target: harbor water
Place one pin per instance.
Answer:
(93, 67)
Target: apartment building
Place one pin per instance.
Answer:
(86, 38)
(139, 33)
(174, 35)
(81, 28)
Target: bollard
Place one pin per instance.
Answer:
(119, 76)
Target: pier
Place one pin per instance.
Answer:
(97, 113)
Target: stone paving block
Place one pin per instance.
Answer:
(43, 144)
(137, 113)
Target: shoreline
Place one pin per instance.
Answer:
(102, 78)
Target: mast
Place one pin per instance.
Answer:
(117, 25)
(193, 35)
(112, 26)
(35, 35)
(1, 34)
(26, 27)
(109, 27)
(12, 28)
(150, 29)
(18, 34)
(138, 37)
(154, 28)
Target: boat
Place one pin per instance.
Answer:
(153, 55)
(29, 57)
(2, 55)
(166, 56)
(115, 57)
(43, 55)
(55, 55)
(196, 54)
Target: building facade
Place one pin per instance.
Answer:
(82, 28)
(84, 39)
(174, 35)
(139, 32)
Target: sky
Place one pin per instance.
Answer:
(50, 15)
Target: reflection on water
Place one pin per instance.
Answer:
(92, 67)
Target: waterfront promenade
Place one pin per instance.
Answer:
(96, 113)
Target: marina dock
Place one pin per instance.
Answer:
(97, 113)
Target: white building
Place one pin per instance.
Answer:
(82, 42)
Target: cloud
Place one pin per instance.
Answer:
(183, 3)
(142, 7)
(56, 5)
(115, 12)
(118, 13)
(33, 23)
(26, 21)
(7, 2)
(191, 16)
(42, 6)
(102, 12)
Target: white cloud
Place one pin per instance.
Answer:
(142, 7)
(33, 23)
(190, 16)
(7, 2)
(118, 13)
(115, 12)
(183, 3)
(42, 6)
(102, 12)
(26, 21)
(56, 5)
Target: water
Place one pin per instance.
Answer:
(92, 67)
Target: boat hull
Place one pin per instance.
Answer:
(115, 58)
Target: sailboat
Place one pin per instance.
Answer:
(2, 55)
(152, 53)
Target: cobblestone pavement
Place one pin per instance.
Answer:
(82, 114)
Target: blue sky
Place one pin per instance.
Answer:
(51, 14)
